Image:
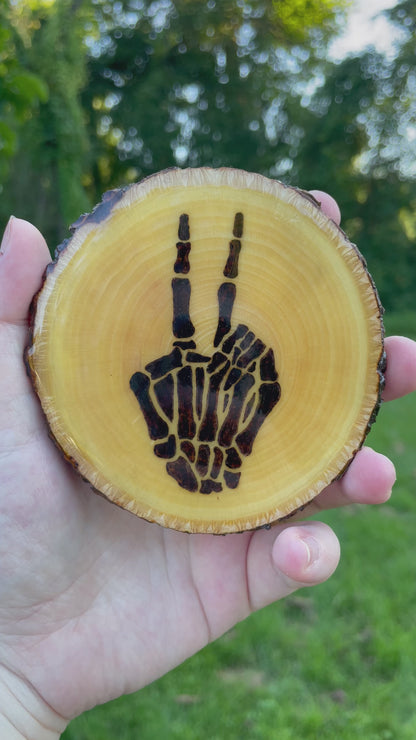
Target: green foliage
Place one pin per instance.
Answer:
(172, 86)
(20, 90)
(54, 146)
(302, 18)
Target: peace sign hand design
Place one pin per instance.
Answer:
(204, 412)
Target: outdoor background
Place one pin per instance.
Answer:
(95, 94)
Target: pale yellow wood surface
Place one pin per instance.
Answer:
(105, 312)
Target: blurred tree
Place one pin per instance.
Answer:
(190, 84)
(20, 89)
(46, 182)
(136, 86)
(395, 105)
(140, 85)
(358, 143)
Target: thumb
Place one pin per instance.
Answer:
(301, 555)
(23, 258)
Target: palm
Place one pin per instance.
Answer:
(89, 554)
(112, 587)
(97, 597)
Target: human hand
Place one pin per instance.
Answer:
(95, 602)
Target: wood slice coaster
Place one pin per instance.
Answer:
(208, 349)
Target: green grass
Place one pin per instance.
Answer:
(337, 661)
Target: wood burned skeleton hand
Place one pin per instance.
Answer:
(203, 412)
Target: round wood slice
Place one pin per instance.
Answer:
(208, 349)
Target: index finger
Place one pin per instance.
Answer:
(400, 373)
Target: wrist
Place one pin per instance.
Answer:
(23, 713)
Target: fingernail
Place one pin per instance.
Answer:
(314, 549)
(5, 242)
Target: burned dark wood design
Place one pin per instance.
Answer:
(204, 412)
